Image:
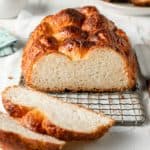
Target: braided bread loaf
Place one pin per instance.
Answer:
(78, 50)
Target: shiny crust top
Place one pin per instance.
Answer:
(75, 32)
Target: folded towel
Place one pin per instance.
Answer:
(7, 43)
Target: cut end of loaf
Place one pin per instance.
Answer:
(15, 136)
(60, 119)
(100, 70)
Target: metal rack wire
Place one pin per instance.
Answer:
(125, 107)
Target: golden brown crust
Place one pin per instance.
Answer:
(15, 110)
(74, 33)
(68, 135)
(12, 141)
(94, 90)
(35, 120)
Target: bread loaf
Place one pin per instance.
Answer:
(78, 50)
(13, 136)
(42, 113)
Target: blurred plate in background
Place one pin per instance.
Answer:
(125, 8)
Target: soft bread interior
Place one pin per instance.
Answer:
(10, 125)
(64, 115)
(101, 69)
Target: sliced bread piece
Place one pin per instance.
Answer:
(46, 114)
(13, 136)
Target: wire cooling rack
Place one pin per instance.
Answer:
(125, 107)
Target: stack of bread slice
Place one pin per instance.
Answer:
(13, 136)
(39, 121)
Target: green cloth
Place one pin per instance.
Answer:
(7, 43)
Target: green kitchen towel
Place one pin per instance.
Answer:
(7, 43)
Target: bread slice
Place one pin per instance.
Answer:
(78, 50)
(46, 114)
(13, 136)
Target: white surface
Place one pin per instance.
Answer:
(125, 8)
(14, 8)
(137, 28)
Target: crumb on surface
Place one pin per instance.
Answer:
(10, 77)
